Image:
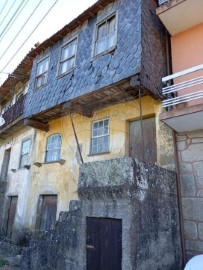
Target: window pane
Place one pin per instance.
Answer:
(101, 46)
(53, 148)
(111, 25)
(23, 160)
(101, 31)
(100, 139)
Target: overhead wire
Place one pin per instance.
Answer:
(8, 28)
(12, 17)
(3, 7)
(7, 13)
(29, 17)
(29, 36)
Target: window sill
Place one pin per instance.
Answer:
(60, 161)
(98, 154)
(39, 88)
(65, 73)
(96, 56)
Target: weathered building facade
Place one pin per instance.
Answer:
(94, 98)
(16, 147)
(183, 91)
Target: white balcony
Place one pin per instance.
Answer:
(180, 15)
(184, 99)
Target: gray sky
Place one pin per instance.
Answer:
(11, 22)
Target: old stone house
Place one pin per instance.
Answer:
(101, 156)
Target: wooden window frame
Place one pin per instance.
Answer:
(22, 155)
(105, 21)
(67, 44)
(38, 76)
(56, 160)
(99, 136)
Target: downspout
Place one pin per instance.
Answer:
(178, 184)
(76, 138)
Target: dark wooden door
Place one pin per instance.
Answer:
(48, 212)
(104, 244)
(11, 215)
(5, 164)
(149, 153)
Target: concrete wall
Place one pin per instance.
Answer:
(190, 149)
(143, 196)
(18, 180)
(62, 180)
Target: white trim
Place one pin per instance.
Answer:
(182, 73)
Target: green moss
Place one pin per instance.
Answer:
(2, 262)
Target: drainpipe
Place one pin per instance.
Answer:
(178, 185)
(76, 138)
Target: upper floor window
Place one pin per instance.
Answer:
(68, 55)
(42, 72)
(19, 95)
(24, 153)
(106, 35)
(53, 148)
(100, 137)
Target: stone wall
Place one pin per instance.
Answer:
(190, 149)
(3, 186)
(142, 196)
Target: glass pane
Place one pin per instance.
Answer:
(101, 31)
(111, 40)
(101, 46)
(111, 25)
(64, 53)
(25, 147)
(24, 160)
(52, 155)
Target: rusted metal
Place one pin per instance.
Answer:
(76, 138)
(141, 126)
(14, 112)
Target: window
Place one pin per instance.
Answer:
(106, 33)
(68, 54)
(53, 148)
(24, 153)
(42, 71)
(19, 96)
(100, 137)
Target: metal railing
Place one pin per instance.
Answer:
(175, 88)
(161, 2)
(13, 112)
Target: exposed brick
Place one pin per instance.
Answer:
(198, 173)
(200, 230)
(187, 185)
(193, 153)
(192, 209)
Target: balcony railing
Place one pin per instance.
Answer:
(175, 93)
(14, 112)
(161, 2)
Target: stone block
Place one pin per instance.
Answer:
(190, 230)
(185, 168)
(195, 134)
(181, 145)
(198, 174)
(200, 230)
(194, 245)
(187, 185)
(193, 153)
(192, 209)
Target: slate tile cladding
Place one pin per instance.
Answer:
(93, 73)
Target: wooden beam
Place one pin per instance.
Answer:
(36, 124)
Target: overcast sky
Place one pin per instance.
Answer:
(13, 17)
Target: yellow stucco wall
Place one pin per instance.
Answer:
(55, 178)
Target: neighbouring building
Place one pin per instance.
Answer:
(184, 108)
(16, 146)
(94, 100)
